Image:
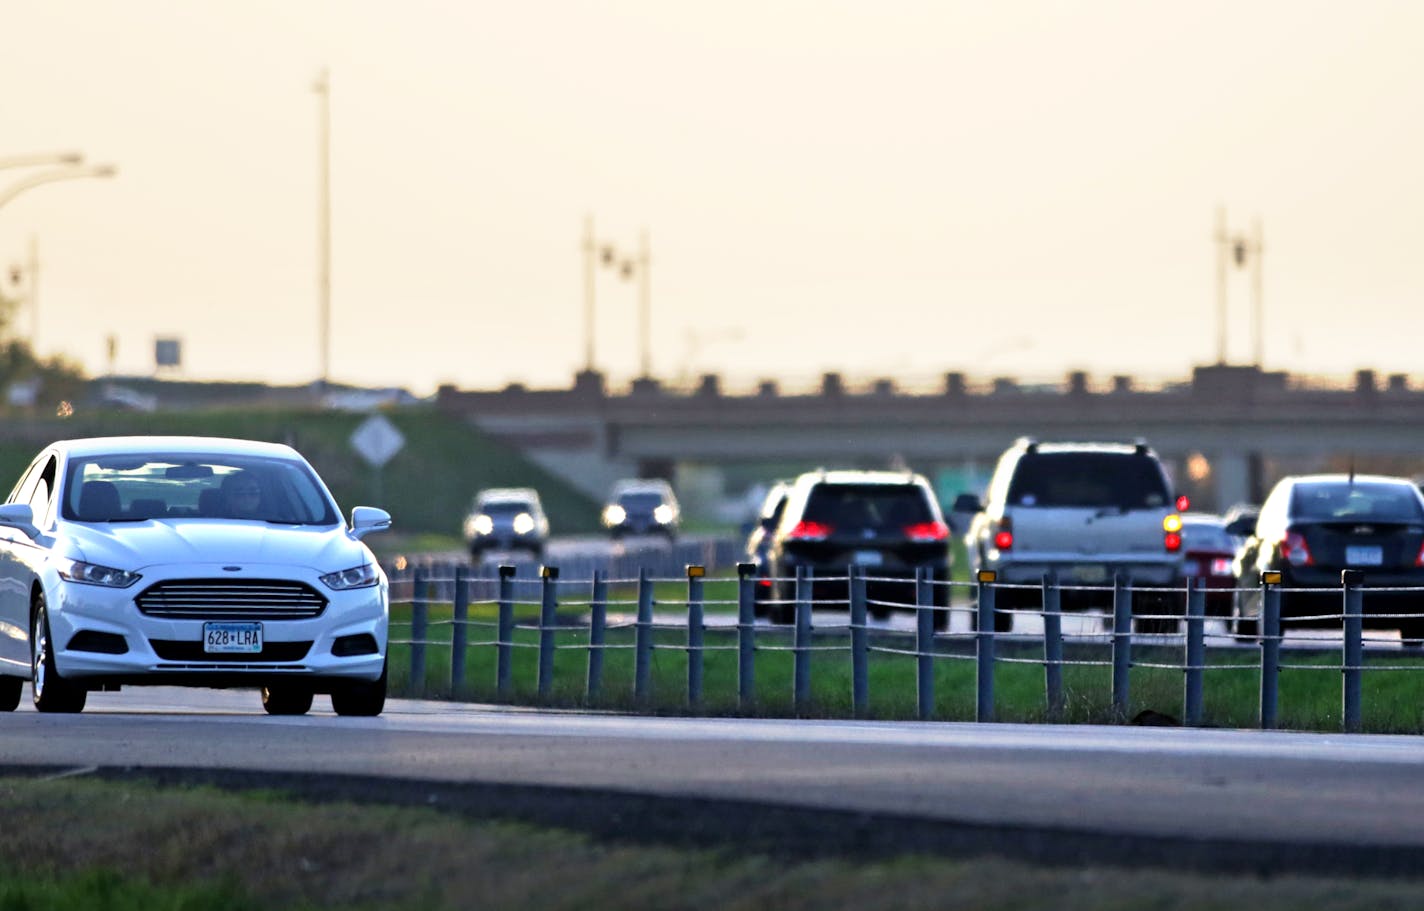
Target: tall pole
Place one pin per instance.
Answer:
(1223, 244)
(590, 259)
(645, 307)
(322, 87)
(33, 288)
(1258, 246)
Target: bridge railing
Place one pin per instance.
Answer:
(645, 639)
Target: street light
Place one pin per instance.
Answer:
(55, 174)
(26, 161)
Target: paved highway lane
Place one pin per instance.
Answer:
(1245, 786)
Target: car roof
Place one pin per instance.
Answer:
(1348, 479)
(1064, 446)
(90, 446)
(508, 493)
(860, 476)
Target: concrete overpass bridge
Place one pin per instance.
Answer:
(1227, 432)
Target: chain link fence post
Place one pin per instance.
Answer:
(1270, 647)
(643, 641)
(746, 636)
(984, 648)
(1196, 653)
(418, 612)
(1121, 645)
(695, 629)
(1352, 581)
(548, 626)
(859, 646)
(597, 629)
(801, 672)
(504, 655)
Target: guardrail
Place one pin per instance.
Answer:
(1117, 646)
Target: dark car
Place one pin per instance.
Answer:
(642, 507)
(759, 539)
(506, 518)
(1313, 526)
(1210, 551)
(886, 522)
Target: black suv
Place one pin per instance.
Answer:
(886, 522)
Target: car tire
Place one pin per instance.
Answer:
(1162, 604)
(477, 555)
(1411, 632)
(10, 690)
(286, 699)
(49, 691)
(363, 699)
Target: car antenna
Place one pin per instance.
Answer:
(1352, 471)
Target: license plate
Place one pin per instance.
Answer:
(1090, 573)
(1364, 556)
(232, 637)
(866, 558)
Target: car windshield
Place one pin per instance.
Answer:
(1346, 501)
(1198, 535)
(134, 487)
(643, 501)
(1088, 479)
(506, 508)
(867, 506)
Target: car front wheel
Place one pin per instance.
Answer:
(363, 698)
(51, 692)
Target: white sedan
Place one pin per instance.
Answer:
(188, 561)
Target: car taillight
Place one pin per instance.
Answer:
(1419, 560)
(809, 531)
(1172, 542)
(1183, 503)
(1004, 537)
(927, 531)
(1295, 552)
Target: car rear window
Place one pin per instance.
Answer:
(867, 505)
(1205, 536)
(1351, 502)
(1088, 479)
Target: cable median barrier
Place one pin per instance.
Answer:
(462, 635)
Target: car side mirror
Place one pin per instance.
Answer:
(1243, 527)
(366, 519)
(19, 515)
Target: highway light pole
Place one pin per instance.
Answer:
(322, 88)
(53, 175)
(41, 158)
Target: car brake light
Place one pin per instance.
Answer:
(1293, 549)
(1419, 560)
(1183, 503)
(764, 583)
(927, 531)
(1172, 541)
(809, 531)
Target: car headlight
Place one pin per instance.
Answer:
(483, 525)
(662, 514)
(523, 523)
(361, 576)
(614, 515)
(93, 574)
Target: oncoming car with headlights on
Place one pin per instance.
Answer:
(188, 561)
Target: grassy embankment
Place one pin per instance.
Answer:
(120, 846)
(427, 486)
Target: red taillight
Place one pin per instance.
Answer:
(1419, 560)
(1004, 539)
(1183, 503)
(927, 531)
(1172, 541)
(1295, 552)
(764, 583)
(810, 531)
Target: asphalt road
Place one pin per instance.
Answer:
(1226, 798)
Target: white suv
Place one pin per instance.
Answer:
(1084, 512)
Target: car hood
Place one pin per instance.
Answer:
(136, 545)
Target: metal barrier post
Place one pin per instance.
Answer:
(1053, 646)
(505, 644)
(694, 635)
(746, 635)
(924, 643)
(459, 635)
(1122, 645)
(1196, 653)
(802, 665)
(643, 640)
(1270, 647)
(1353, 580)
(548, 620)
(984, 648)
(859, 646)
(417, 633)
(598, 624)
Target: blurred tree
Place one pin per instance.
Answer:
(58, 379)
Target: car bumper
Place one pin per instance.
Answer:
(161, 650)
(1086, 572)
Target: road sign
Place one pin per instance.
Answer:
(377, 440)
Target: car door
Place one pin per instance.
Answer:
(16, 556)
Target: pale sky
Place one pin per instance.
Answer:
(877, 188)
